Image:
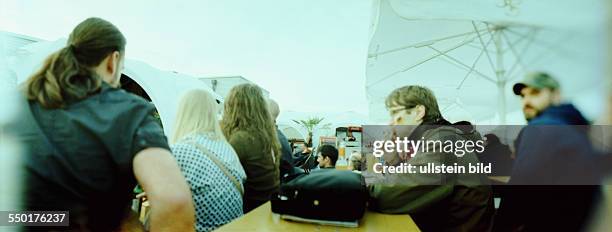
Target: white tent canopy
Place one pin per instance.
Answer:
(470, 53)
(163, 87)
(291, 132)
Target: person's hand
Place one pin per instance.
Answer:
(141, 195)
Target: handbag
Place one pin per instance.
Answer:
(330, 195)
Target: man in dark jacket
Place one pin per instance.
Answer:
(498, 154)
(554, 164)
(286, 165)
(436, 202)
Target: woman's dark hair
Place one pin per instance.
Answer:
(245, 109)
(67, 73)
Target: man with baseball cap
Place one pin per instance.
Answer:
(541, 98)
(551, 186)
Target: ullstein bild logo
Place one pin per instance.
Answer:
(432, 168)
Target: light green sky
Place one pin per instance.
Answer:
(310, 54)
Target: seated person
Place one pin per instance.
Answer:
(301, 157)
(355, 161)
(435, 201)
(498, 154)
(87, 143)
(208, 162)
(327, 157)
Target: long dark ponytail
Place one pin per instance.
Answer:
(67, 74)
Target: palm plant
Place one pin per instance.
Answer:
(310, 124)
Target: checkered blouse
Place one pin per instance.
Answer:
(216, 199)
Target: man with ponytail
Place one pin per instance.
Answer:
(88, 143)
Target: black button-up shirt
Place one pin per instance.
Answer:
(79, 157)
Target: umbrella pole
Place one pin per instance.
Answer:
(501, 80)
(501, 86)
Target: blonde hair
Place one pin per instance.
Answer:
(196, 114)
(247, 110)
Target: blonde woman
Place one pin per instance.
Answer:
(250, 130)
(207, 161)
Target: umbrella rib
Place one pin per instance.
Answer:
(447, 107)
(420, 44)
(474, 64)
(516, 55)
(483, 44)
(532, 35)
(550, 49)
(461, 63)
(517, 42)
(549, 46)
(420, 62)
(478, 47)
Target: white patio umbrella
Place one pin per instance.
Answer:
(470, 53)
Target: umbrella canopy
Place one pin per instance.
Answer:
(471, 53)
(163, 87)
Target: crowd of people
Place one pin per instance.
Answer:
(89, 143)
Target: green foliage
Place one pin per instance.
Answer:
(310, 124)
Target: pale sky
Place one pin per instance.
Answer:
(310, 54)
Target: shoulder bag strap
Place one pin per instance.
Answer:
(220, 165)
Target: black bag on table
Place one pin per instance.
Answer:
(331, 195)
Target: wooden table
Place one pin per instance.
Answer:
(262, 219)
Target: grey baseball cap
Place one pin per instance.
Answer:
(538, 80)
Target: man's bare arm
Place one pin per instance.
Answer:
(168, 193)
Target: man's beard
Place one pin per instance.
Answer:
(535, 114)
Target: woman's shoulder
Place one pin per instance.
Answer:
(182, 147)
(241, 136)
(191, 142)
(195, 141)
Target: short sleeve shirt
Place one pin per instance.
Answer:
(86, 165)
